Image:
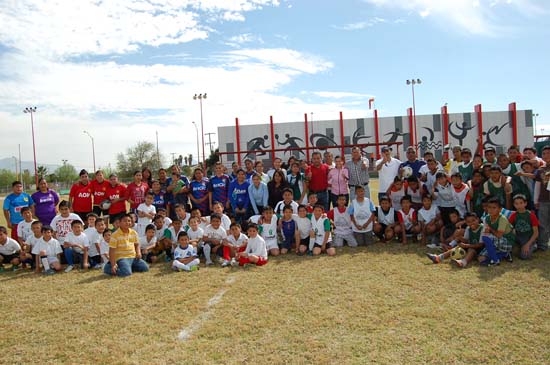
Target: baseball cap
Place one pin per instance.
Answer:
(490, 149)
(386, 148)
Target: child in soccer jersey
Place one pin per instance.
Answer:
(169, 240)
(396, 191)
(442, 193)
(47, 251)
(320, 232)
(499, 236)
(498, 186)
(430, 222)
(61, 224)
(75, 247)
(386, 222)
(148, 245)
(33, 239)
(303, 223)
(476, 192)
(94, 235)
(361, 211)
(267, 224)
(24, 231)
(449, 233)
(219, 187)
(342, 223)
(185, 255)
(195, 233)
(255, 251)
(460, 195)
(214, 236)
(289, 231)
(416, 190)
(408, 220)
(235, 243)
(288, 195)
(104, 247)
(526, 226)
(146, 211)
(199, 193)
(217, 208)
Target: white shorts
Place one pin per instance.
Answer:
(52, 260)
(271, 244)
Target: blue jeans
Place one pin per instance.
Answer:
(71, 254)
(492, 253)
(322, 198)
(126, 267)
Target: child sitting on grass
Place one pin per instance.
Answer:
(386, 225)
(104, 247)
(214, 236)
(76, 246)
(235, 243)
(499, 236)
(33, 239)
(303, 223)
(450, 232)
(195, 233)
(361, 211)
(170, 237)
(342, 223)
(430, 221)
(267, 225)
(94, 235)
(185, 255)
(320, 232)
(289, 231)
(10, 250)
(408, 220)
(148, 245)
(526, 225)
(47, 251)
(255, 251)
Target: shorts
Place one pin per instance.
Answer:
(327, 246)
(149, 256)
(14, 232)
(6, 259)
(363, 238)
(52, 260)
(271, 244)
(100, 212)
(286, 244)
(304, 241)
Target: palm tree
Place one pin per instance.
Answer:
(42, 171)
(185, 159)
(190, 159)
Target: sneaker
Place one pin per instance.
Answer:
(49, 272)
(167, 258)
(209, 263)
(493, 263)
(69, 268)
(175, 269)
(14, 267)
(310, 253)
(233, 262)
(433, 246)
(509, 257)
(194, 268)
(435, 258)
(459, 263)
(225, 263)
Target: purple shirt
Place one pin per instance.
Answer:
(45, 204)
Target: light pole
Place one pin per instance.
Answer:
(31, 110)
(16, 174)
(201, 97)
(198, 153)
(413, 82)
(93, 147)
(535, 117)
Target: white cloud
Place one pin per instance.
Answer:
(360, 25)
(478, 17)
(241, 39)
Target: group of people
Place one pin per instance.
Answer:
(465, 207)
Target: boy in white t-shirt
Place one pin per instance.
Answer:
(217, 208)
(255, 251)
(10, 250)
(235, 243)
(33, 239)
(287, 200)
(170, 237)
(267, 226)
(94, 235)
(214, 236)
(195, 233)
(320, 232)
(148, 245)
(361, 211)
(47, 251)
(76, 246)
(430, 221)
(24, 229)
(167, 221)
(61, 224)
(104, 247)
(185, 255)
(146, 211)
(303, 221)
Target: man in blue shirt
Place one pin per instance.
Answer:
(413, 162)
(13, 205)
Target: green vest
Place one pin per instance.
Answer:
(466, 171)
(475, 236)
(497, 192)
(518, 186)
(523, 223)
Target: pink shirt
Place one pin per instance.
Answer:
(338, 180)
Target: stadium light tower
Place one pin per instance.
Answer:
(413, 82)
(535, 115)
(200, 97)
(31, 110)
(93, 147)
(198, 152)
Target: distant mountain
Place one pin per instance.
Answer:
(9, 164)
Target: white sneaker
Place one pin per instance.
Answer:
(225, 263)
(233, 262)
(209, 263)
(69, 268)
(432, 246)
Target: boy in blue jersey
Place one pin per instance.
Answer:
(289, 230)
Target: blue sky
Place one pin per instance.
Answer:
(123, 70)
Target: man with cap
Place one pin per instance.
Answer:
(412, 161)
(388, 169)
(80, 196)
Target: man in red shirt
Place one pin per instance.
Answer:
(80, 196)
(116, 194)
(317, 174)
(99, 190)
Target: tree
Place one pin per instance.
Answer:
(42, 171)
(66, 173)
(186, 159)
(6, 178)
(212, 159)
(137, 157)
(190, 159)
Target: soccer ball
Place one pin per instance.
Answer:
(179, 185)
(407, 171)
(105, 204)
(458, 253)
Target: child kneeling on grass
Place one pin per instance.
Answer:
(47, 251)
(235, 243)
(526, 225)
(408, 220)
(342, 223)
(256, 250)
(499, 236)
(386, 225)
(185, 255)
(148, 244)
(320, 232)
(10, 250)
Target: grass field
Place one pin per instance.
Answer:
(381, 304)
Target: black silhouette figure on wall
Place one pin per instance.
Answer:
(322, 141)
(291, 142)
(493, 132)
(427, 143)
(257, 144)
(394, 135)
(464, 129)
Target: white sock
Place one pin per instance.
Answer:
(464, 262)
(311, 243)
(207, 252)
(45, 263)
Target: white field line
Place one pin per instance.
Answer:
(195, 324)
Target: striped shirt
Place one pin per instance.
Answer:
(124, 244)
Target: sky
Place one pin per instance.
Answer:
(124, 70)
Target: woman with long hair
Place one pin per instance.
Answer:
(45, 200)
(275, 188)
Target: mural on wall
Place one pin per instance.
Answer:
(492, 133)
(463, 130)
(292, 143)
(394, 135)
(258, 145)
(322, 141)
(427, 143)
(358, 138)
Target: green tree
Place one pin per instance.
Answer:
(212, 159)
(42, 171)
(6, 178)
(137, 157)
(66, 173)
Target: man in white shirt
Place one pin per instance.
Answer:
(388, 169)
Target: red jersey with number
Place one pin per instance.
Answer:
(99, 190)
(82, 197)
(117, 192)
(136, 193)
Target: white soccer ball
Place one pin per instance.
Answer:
(458, 253)
(105, 204)
(407, 171)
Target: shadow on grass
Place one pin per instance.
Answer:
(99, 277)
